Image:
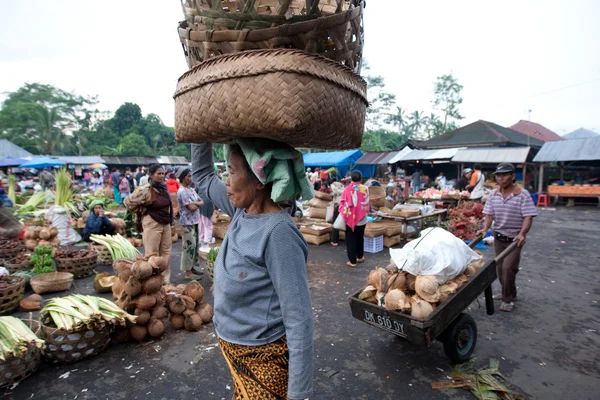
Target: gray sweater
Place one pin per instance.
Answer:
(260, 279)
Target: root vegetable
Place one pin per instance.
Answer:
(145, 301)
(195, 291)
(55, 242)
(31, 244)
(141, 270)
(152, 285)
(28, 234)
(45, 234)
(205, 311)
(35, 297)
(192, 321)
(156, 327)
(29, 305)
(53, 232)
(133, 287)
(177, 321)
(143, 316)
(138, 332)
(160, 312)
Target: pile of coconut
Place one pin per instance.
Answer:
(41, 236)
(139, 290)
(415, 295)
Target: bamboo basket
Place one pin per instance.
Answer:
(12, 252)
(15, 369)
(11, 294)
(51, 282)
(323, 196)
(15, 267)
(289, 96)
(79, 267)
(67, 347)
(331, 28)
(104, 256)
(377, 196)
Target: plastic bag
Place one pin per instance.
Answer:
(60, 220)
(436, 252)
(329, 213)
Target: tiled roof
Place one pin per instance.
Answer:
(535, 131)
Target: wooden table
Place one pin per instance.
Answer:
(557, 192)
(406, 220)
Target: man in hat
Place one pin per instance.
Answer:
(511, 210)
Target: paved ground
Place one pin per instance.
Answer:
(548, 346)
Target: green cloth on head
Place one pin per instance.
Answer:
(96, 203)
(279, 164)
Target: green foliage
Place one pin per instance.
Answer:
(134, 144)
(42, 260)
(382, 140)
(447, 99)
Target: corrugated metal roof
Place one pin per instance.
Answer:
(430, 155)
(570, 150)
(172, 160)
(376, 157)
(398, 157)
(9, 149)
(129, 160)
(494, 155)
(581, 133)
(81, 160)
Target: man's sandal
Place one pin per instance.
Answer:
(508, 307)
(360, 260)
(350, 264)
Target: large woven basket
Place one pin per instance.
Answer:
(67, 347)
(51, 282)
(13, 267)
(289, 96)
(15, 369)
(104, 256)
(79, 267)
(331, 28)
(11, 294)
(13, 251)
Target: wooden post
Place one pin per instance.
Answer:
(562, 171)
(541, 181)
(525, 175)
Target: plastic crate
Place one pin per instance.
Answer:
(374, 245)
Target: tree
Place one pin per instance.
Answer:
(382, 140)
(398, 119)
(50, 137)
(126, 117)
(380, 101)
(134, 144)
(417, 123)
(447, 99)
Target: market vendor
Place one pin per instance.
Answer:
(262, 307)
(97, 223)
(10, 227)
(462, 182)
(511, 210)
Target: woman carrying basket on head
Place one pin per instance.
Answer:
(263, 314)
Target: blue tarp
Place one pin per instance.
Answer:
(42, 162)
(11, 161)
(342, 160)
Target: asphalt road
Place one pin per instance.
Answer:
(548, 347)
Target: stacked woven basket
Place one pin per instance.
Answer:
(285, 70)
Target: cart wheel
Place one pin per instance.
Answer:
(461, 338)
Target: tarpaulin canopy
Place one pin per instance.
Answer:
(42, 162)
(11, 161)
(342, 160)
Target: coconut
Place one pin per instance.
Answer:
(158, 263)
(160, 300)
(477, 264)
(180, 288)
(397, 281)
(190, 304)
(195, 291)
(460, 279)
(45, 234)
(177, 321)
(143, 316)
(133, 287)
(152, 285)
(392, 268)
(103, 282)
(29, 305)
(427, 288)
(205, 312)
(177, 306)
(411, 280)
(141, 270)
(122, 264)
(138, 332)
(121, 334)
(395, 299)
(378, 278)
(470, 271)
(372, 300)
(124, 302)
(35, 297)
(156, 327)
(367, 292)
(170, 288)
(125, 274)
(160, 312)
(447, 290)
(420, 308)
(117, 288)
(31, 244)
(145, 301)
(192, 322)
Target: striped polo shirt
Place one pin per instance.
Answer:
(509, 213)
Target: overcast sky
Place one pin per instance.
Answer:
(511, 56)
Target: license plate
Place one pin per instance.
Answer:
(383, 321)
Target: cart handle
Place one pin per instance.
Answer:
(475, 241)
(506, 252)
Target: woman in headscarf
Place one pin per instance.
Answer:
(354, 207)
(263, 314)
(97, 223)
(189, 217)
(154, 213)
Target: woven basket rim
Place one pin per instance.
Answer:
(62, 277)
(18, 280)
(300, 68)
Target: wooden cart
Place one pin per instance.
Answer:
(448, 323)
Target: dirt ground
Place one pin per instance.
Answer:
(548, 347)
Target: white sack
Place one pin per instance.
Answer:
(60, 220)
(436, 252)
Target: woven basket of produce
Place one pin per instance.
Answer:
(80, 263)
(22, 262)
(15, 368)
(374, 230)
(67, 347)
(316, 229)
(10, 248)
(104, 256)
(289, 96)
(331, 28)
(11, 292)
(377, 196)
(51, 282)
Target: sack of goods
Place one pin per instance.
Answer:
(241, 85)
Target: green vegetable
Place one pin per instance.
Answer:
(15, 337)
(75, 312)
(212, 254)
(64, 193)
(118, 246)
(42, 260)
